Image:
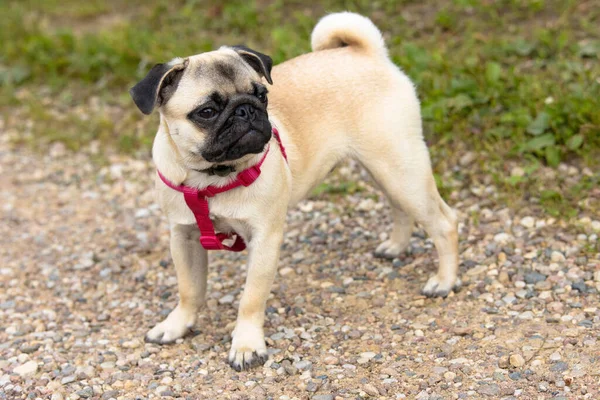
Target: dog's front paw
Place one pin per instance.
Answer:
(390, 249)
(248, 347)
(176, 325)
(440, 287)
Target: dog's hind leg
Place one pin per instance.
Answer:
(403, 171)
(400, 236)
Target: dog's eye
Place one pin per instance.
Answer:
(262, 97)
(207, 113)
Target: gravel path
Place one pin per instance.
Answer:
(85, 271)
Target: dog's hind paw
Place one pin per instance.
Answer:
(440, 287)
(390, 249)
(175, 326)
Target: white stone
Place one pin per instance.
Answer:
(371, 390)
(517, 171)
(585, 221)
(107, 365)
(521, 294)
(303, 365)
(449, 376)
(526, 315)
(368, 355)
(546, 294)
(286, 271)
(517, 360)
(366, 205)
(142, 213)
(298, 256)
(557, 256)
(503, 238)
(531, 255)
(4, 379)
(161, 389)
(509, 298)
(116, 171)
(29, 368)
(68, 379)
(479, 269)
(467, 159)
(306, 206)
(22, 358)
(131, 344)
(528, 222)
(227, 299)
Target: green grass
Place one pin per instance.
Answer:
(509, 79)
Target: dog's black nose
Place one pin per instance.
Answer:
(245, 111)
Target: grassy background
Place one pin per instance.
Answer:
(511, 80)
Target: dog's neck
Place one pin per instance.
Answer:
(169, 162)
(219, 170)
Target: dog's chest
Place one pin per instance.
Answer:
(229, 225)
(221, 224)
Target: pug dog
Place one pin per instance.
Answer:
(217, 114)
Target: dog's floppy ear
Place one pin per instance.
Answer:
(152, 91)
(259, 62)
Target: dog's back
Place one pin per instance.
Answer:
(349, 69)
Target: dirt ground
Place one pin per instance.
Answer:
(85, 271)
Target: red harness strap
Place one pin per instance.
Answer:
(196, 200)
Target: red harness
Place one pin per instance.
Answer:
(196, 200)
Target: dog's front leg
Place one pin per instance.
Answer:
(248, 344)
(191, 265)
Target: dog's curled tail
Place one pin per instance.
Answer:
(347, 29)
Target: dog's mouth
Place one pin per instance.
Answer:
(251, 142)
(250, 134)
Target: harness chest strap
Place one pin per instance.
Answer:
(197, 202)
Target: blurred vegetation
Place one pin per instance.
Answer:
(511, 79)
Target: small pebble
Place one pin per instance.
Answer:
(227, 299)
(534, 277)
(528, 222)
(557, 257)
(467, 158)
(29, 368)
(560, 366)
(515, 376)
(322, 397)
(371, 390)
(517, 360)
(491, 390)
(331, 360)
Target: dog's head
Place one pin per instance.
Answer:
(214, 104)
